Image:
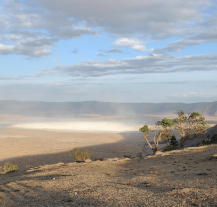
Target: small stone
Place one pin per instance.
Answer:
(150, 172)
(54, 178)
(60, 163)
(88, 160)
(213, 157)
(155, 172)
(76, 193)
(202, 174)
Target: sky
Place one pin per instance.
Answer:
(114, 51)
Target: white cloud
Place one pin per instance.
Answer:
(130, 43)
(190, 94)
(10, 78)
(113, 50)
(157, 18)
(70, 19)
(32, 47)
(206, 36)
(141, 65)
(101, 54)
(32, 30)
(6, 49)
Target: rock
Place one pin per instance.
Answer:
(159, 153)
(88, 160)
(115, 159)
(126, 159)
(213, 157)
(60, 163)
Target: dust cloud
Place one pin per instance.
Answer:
(80, 126)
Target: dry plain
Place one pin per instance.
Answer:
(179, 178)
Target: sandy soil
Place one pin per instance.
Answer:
(34, 147)
(178, 178)
(40, 147)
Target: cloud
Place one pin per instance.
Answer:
(191, 97)
(141, 65)
(31, 47)
(130, 43)
(174, 17)
(101, 55)
(75, 51)
(70, 19)
(114, 50)
(190, 94)
(6, 49)
(10, 78)
(176, 46)
(24, 26)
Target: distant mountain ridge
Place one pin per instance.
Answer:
(67, 109)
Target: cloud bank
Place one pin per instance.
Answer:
(141, 65)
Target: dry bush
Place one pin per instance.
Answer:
(80, 156)
(9, 167)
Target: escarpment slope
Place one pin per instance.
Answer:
(178, 178)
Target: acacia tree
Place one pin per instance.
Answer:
(189, 126)
(162, 129)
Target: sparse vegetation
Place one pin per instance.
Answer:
(9, 167)
(189, 126)
(139, 153)
(80, 156)
(162, 129)
(127, 156)
(209, 140)
(27, 166)
(205, 142)
(173, 143)
(98, 158)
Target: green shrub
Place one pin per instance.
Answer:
(173, 144)
(168, 148)
(98, 158)
(80, 156)
(205, 142)
(9, 167)
(127, 156)
(139, 153)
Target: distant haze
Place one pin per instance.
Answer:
(92, 108)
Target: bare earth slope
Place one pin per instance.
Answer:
(178, 178)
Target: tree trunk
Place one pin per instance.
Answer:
(154, 150)
(182, 142)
